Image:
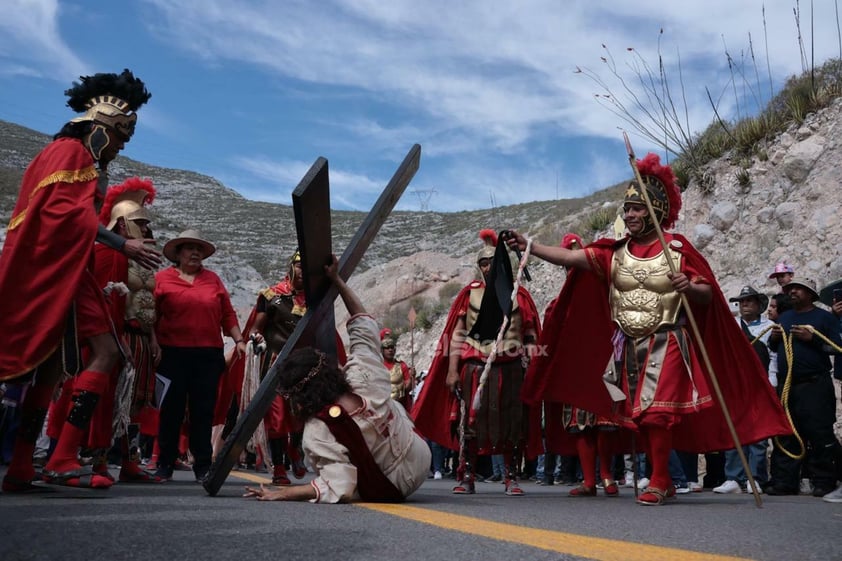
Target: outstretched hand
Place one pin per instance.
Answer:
(264, 494)
(141, 251)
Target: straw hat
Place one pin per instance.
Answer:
(809, 284)
(188, 236)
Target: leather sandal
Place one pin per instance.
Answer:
(83, 478)
(610, 487)
(139, 476)
(582, 490)
(652, 496)
(513, 489)
(464, 488)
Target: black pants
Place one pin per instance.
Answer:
(813, 408)
(194, 375)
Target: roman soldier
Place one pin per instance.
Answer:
(123, 212)
(636, 361)
(487, 376)
(51, 302)
(401, 375)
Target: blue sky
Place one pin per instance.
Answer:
(251, 92)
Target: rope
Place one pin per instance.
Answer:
(123, 401)
(251, 381)
(787, 342)
(786, 339)
(505, 325)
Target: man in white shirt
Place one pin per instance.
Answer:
(752, 304)
(360, 442)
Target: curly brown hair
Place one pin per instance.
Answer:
(324, 383)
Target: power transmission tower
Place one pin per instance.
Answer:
(424, 196)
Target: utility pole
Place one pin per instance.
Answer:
(424, 196)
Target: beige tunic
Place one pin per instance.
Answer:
(403, 456)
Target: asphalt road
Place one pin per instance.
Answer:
(178, 521)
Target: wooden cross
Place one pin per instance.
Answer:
(311, 206)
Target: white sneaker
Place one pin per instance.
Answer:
(695, 486)
(729, 486)
(834, 496)
(437, 475)
(643, 483)
(806, 487)
(759, 488)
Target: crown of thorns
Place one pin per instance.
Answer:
(301, 383)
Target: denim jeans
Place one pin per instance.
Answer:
(439, 453)
(641, 464)
(756, 456)
(677, 470)
(498, 465)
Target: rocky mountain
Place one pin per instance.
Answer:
(784, 206)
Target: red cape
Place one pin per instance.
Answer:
(579, 349)
(48, 245)
(432, 410)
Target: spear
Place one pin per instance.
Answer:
(694, 327)
(412, 315)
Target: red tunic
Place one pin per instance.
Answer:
(48, 246)
(192, 314)
(577, 336)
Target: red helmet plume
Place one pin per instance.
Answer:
(570, 240)
(136, 191)
(660, 184)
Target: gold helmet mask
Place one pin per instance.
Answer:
(295, 258)
(110, 102)
(489, 239)
(664, 194)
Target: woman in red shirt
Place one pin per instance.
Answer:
(193, 309)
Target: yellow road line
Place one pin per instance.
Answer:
(253, 477)
(601, 549)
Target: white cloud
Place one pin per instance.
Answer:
(349, 190)
(495, 70)
(29, 30)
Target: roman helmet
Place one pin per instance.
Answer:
(386, 339)
(127, 201)
(110, 102)
(572, 241)
(489, 241)
(294, 258)
(659, 182)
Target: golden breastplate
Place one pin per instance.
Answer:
(641, 296)
(512, 339)
(140, 305)
(397, 381)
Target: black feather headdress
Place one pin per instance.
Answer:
(124, 86)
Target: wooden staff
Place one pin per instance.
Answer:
(693, 325)
(412, 316)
